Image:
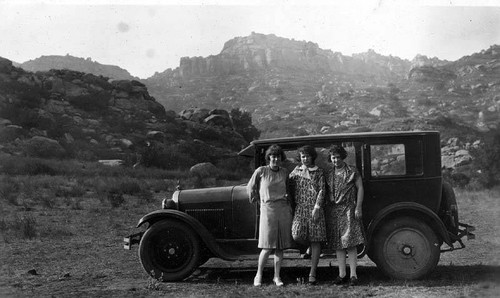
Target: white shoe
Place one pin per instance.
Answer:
(257, 281)
(277, 281)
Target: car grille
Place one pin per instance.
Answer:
(212, 219)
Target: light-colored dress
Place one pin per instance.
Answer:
(275, 210)
(343, 229)
(307, 187)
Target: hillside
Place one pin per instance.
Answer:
(70, 114)
(288, 87)
(294, 87)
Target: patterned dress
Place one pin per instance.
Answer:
(275, 222)
(307, 187)
(343, 229)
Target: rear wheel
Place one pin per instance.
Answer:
(169, 250)
(406, 248)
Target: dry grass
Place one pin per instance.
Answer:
(70, 244)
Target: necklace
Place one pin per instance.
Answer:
(338, 170)
(275, 169)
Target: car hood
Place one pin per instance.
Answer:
(205, 197)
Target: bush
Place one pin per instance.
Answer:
(115, 197)
(486, 168)
(242, 121)
(9, 189)
(44, 148)
(95, 101)
(27, 225)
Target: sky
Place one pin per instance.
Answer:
(148, 36)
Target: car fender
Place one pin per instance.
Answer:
(192, 222)
(412, 209)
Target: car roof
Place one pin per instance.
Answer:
(249, 150)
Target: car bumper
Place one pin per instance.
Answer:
(464, 230)
(130, 240)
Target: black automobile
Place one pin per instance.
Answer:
(408, 210)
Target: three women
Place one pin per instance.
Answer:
(337, 221)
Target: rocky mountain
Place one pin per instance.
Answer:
(294, 87)
(46, 63)
(70, 114)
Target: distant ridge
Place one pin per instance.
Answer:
(46, 63)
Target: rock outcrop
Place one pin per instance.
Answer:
(65, 113)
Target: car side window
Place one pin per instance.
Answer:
(387, 160)
(396, 159)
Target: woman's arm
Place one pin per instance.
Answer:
(358, 213)
(320, 198)
(253, 186)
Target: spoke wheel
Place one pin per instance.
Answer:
(169, 250)
(406, 248)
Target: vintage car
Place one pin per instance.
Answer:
(410, 214)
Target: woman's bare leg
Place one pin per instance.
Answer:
(341, 261)
(264, 255)
(353, 260)
(315, 252)
(278, 258)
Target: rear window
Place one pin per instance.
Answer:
(402, 159)
(323, 158)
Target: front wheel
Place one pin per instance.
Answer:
(169, 250)
(406, 248)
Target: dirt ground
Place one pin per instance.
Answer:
(79, 252)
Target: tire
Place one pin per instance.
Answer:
(448, 214)
(169, 250)
(406, 248)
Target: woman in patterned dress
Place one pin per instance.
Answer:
(268, 186)
(307, 187)
(343, 213)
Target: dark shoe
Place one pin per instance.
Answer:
(340, 280)
(353, 281)
(312, 280)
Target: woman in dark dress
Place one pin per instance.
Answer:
(343, 213)
(268, 186)
(307, 188)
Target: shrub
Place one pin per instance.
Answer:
(44, 148)
(130, 187)
(27, 226)
(242, 121)
(145, 196)
(75, 190)
(486, 168)
(95, 101)
(115, 197)
(9, 190)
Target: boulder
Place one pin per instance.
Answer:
(219, 120)
(155, 135)
(203, 170)
(111, 162)
(194, 114)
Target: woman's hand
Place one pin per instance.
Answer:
(315, 215)
(358, 213)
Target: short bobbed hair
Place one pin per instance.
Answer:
(307, 150)
(275, 150)
(337, 149)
